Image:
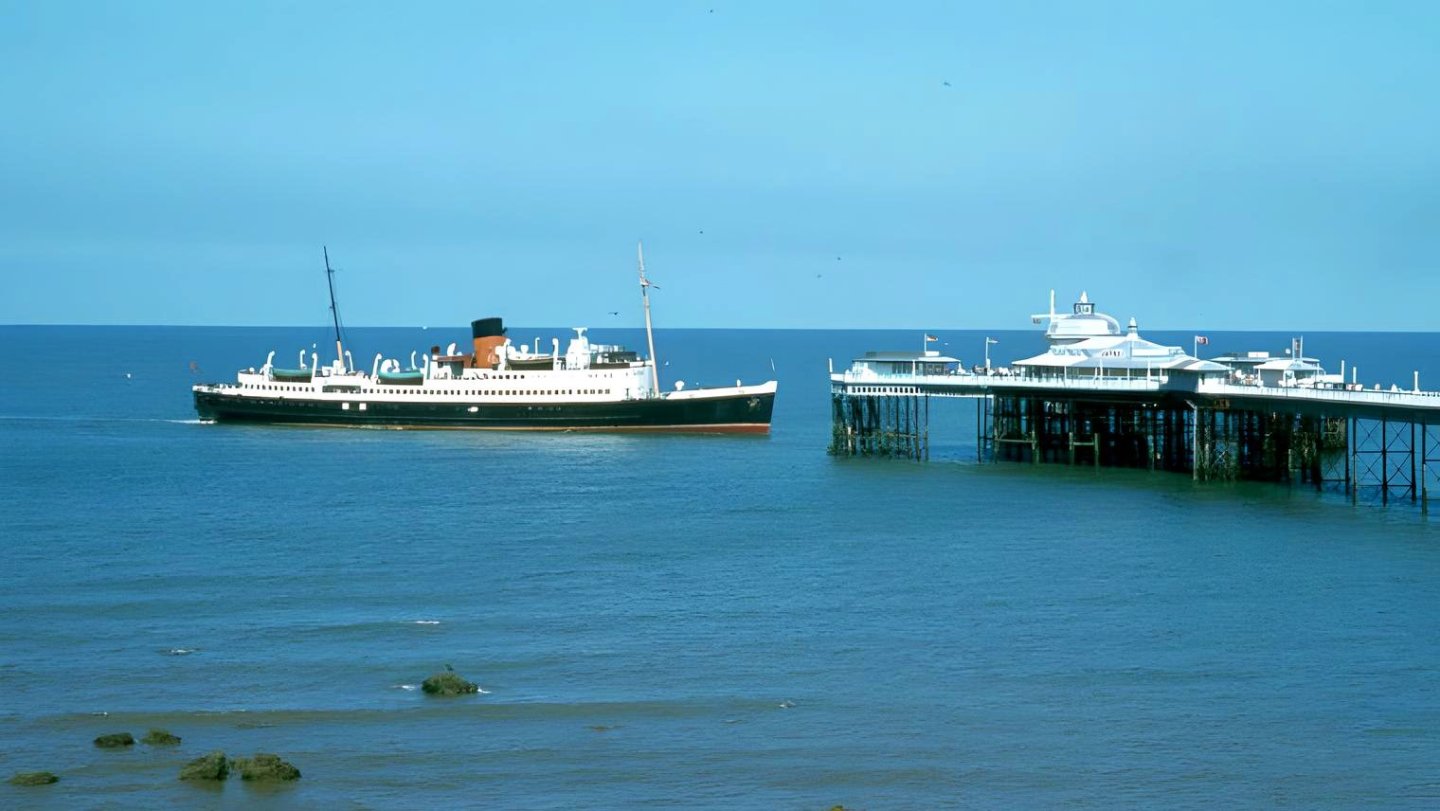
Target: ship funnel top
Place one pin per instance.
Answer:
(1134, 328)
(487, 328)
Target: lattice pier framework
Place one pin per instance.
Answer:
(892, 423)
(1392, 456)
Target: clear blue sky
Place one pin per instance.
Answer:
(1209, 165)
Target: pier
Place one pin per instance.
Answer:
(1103, 397)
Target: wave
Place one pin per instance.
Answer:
(410, 688)
(363, 628)
(584, 712)
(72, 418)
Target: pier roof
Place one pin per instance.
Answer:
(1291, 365)
(1128, 351)
(906, 357)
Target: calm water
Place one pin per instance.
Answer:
(693, 622)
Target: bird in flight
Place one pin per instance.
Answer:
(947, 84)
(614, 312)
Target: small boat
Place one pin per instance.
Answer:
(496, 385)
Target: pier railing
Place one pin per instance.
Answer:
(982, 384)
(979, 385)
(1421, 400)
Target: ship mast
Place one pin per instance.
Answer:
(334, 311)
(645, 286)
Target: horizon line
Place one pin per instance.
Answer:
(1197, 331)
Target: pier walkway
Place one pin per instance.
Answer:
(970, 385)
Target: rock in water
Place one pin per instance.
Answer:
(266, 767)
(213, 766)
(160, 737)
(33, 779)
(448, 683)
(115, 740)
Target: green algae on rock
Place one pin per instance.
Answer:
(213, 766)
(34, 779)
(115, 740)
(448, 683)
(266, 767)
(160, 737)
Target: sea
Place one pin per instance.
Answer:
(686, 621)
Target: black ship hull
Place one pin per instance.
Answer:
(723, 413)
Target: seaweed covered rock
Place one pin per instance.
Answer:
(160, 737)
(213, 766)
(115, 740)
(266, 767)
(34, 779)
(448, 683)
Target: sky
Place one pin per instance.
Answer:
(1206, 165)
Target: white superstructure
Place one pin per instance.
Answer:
(585, 372)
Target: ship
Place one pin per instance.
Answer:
(496, 385)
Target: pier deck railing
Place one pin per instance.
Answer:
(1416, 400)
(981, 385)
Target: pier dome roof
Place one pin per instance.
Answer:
(1120, 352)
(1081, 324)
